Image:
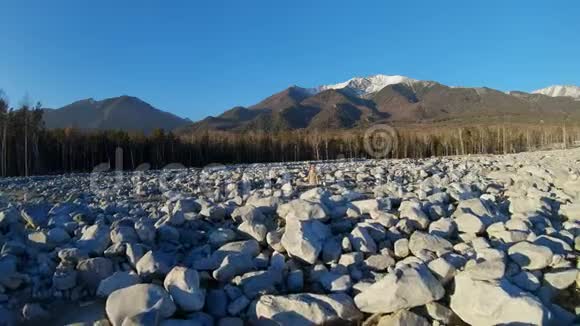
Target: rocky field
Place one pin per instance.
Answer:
(480, 240)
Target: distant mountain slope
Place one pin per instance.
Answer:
(434, 102)
(119, 113)
(393, 99)
(291, 96)
(329, 109)
(338, 109)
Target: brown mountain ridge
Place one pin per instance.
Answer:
(408, 102)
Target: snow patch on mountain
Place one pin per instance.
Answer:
(560, 90)
(362, 86)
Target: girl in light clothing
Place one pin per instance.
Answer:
(312, 176)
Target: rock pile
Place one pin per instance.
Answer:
(481, 240)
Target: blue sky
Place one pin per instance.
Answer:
(198, 58)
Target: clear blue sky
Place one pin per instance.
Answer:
(198, 58)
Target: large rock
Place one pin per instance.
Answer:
(8, 217)
(461, 191)
(406, 287)
(93, 270)
(248, 247)
(188, 205)
(274, 240)
(442, 269)
(235, 308)
(123, 234)
(234, 265)
(213, 212)
(71, 255)
(300, 209)
(150, 317)
(378, 262)
(401, 248)
(317, 195)
(485, 269)
(146, 231)
(39, 240)
(304, 239)
(35, 215)
(571, 211)
(494, 303)
(443, 227)
(366, 206)
(246, 213)
(221, 236)
(529, 206)
(95, 239)
(362, 241)
(57, 235)
(403, 318)
(137, 299)
(420, 241)
(259, 282)
(481, 209)
(64, 279)
(265, 204)
(254, 228)
(295, 281)
(154, 264)
(118, 280)
(525, 281)
(34, 313)
(307, 309)
(335, 282)
(469, 223)
(413, 211)
(441, 313)
(558, 246)
(530, 256)
(561, 278)
(183, 285)
(331, 250)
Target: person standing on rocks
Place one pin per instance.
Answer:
(312, 176)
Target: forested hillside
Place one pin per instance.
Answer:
(27, 148)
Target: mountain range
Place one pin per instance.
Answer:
(118, 113)
(363, 101)
(357, 102)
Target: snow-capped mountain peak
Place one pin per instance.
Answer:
(362, 86)
(560, 90)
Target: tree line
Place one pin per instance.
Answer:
(21, 131)
(28, 148)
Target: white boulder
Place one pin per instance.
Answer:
(406, 287)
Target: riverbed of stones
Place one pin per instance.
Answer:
(480, 240)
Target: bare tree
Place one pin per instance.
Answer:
(4, 117)
(315, 140)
